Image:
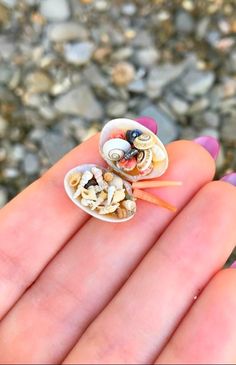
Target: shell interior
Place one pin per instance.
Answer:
(70, 193)
(126, 124)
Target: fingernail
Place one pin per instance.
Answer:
(233, 265)
(230, 178)
(149, 123)
(210, 144)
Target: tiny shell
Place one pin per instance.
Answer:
(158, 153)
(114, 149)
(75, 179)
(129, 205)
(119, 195)
(108, 176)
(144, 160)
(127, 165)
(89, 194)
(110, 194)
(117, 181)
(131, 153)
(127, 124)
(108, 209)
(131, 134)
(122, 213)
(90, 204)
(144, 141)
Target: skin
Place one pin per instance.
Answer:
(74, 289)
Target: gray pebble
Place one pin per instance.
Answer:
(211, 119)
(81, 102)
(198, 82)
(167, 128)
(56, 146)
(79, 53)
(184, 22)
(178, 105)
(3, 196)
(55, 10)
(137, 86)
(31, 164)
(3, 126)
(129, 9)
(147, 57)
(67, 31)
(116, 108)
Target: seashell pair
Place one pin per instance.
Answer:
(133, 153)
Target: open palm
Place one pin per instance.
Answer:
(75, 289)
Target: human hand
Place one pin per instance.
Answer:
(79, 290)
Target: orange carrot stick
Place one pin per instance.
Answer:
(143, 195)
(155, 184)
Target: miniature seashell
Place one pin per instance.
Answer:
(89, 194)
(93, 207)
(108, 209)
(119, 195)
(75, 179)
(78, 192)
(131, 134)
(122, 213)
(125, 124)
(144, 141)
(147, 171)
(99, 178)
(127, 165)
(110, 193)
(158, 153)
(87, 175)
(114, 149)
(144, 159)
(117, 181)
(91, 182)
(129, 205)
(131, 153)
(108, 176)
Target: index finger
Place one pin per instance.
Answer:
(37, 223)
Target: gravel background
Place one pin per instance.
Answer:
(66, 67)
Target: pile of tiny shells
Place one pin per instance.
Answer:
(104, 192)
(133, 151)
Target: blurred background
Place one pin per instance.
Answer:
(68, 66)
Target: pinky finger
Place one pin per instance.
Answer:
(207, 335)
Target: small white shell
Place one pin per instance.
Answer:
(89, 203)
(115, 148)
(159, 167)
(110, 193)
(117, 181)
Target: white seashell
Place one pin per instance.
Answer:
(108, 209)
(78, 192)
(124, 124)
(117, 181)
(87, 175)
(99, 178)
(91, 207)
(89, 194)
(130, 205)
(118, 196)
(110, 194)
(115, 148)
(158, 153)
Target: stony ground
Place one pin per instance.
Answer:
(66, 67)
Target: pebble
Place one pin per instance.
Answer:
(167, 128)
(67, 31)
(129, 9)
(116, 108)
(31, 164)
(56, 146)
(3, 196)
(80, 102)
(184, 22)
(79, 53)
(123, 73)
(38, 82)
(228, 131)
(3, 127)
(209, 132)
(9, 3)
(198, 82)
(161, 76)
(137, 86)
(211, 119)
(55, 11)
(147, 57)
(178, 105)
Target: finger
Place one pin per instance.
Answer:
(36, 224)
(86, 274)
(143, 315)
(207, 335)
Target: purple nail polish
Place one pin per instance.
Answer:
(233, 265)
(148, 122)
(210, 144)
(230, 178)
